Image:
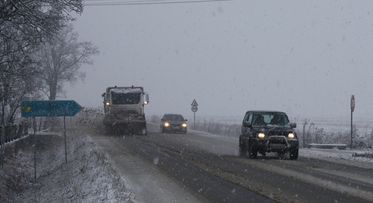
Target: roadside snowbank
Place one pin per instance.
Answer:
(346, 156)
(88, 176)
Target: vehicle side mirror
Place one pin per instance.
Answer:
(293, 125)
(103, 94)
(146, 99)
(186, 120)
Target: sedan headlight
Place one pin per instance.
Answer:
(261, 135)
(184, 125)
(291, 136)
(166, 124)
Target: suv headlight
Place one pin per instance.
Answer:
(184, 125)
(166, 124)
(291, 135)
(261, 135)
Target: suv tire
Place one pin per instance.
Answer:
(242, 150)
(294, 154)
(253, 153)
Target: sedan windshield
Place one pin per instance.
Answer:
(173, 117)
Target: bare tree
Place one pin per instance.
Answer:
(17, 77)
(29, 22)
(24, 25)
(61, 58)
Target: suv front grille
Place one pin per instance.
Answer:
(277, 140)
(277, 133)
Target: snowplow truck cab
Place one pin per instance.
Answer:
(124, 110)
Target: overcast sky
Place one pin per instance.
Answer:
(302, 57)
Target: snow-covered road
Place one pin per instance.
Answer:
(148, 183)
(192, 167)
(207, 167)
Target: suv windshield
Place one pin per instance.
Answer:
(269, 118)
(125, 98)
(172, 117)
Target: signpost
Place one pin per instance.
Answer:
(304, 133)
(194, 110)
(57, 108)
(2, 137)
(352, 105)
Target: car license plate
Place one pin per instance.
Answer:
(277, 146)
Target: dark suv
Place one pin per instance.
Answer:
(268, 131)
(173, 123)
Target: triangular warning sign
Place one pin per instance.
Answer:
(194, 103)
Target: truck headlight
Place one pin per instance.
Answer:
(166, 124)
(184, 125)
(291, 136)
(261, 135)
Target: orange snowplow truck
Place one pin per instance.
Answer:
(124, 110)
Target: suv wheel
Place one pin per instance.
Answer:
(294, 154)
(253, 153)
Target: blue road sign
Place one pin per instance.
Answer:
(49, 108)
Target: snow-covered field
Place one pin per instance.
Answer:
(87, 177)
